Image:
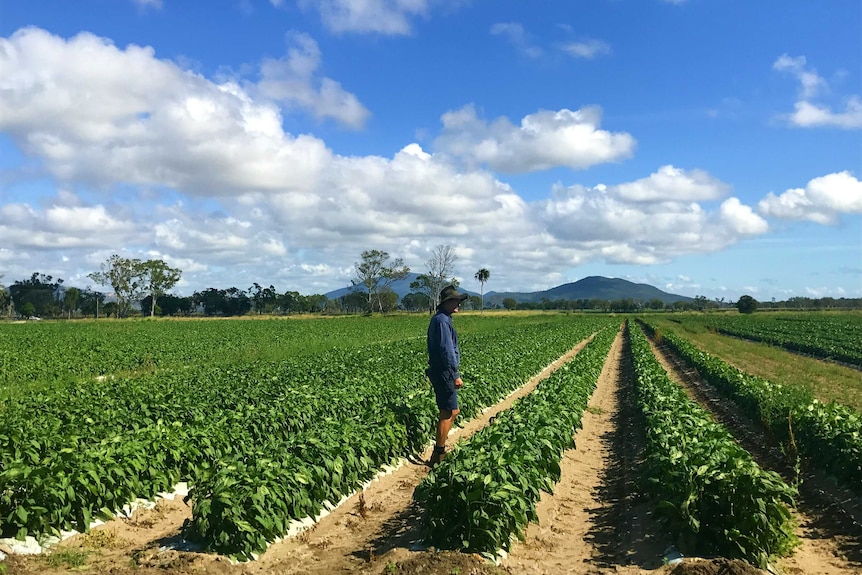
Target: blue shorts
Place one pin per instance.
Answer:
(445, 392)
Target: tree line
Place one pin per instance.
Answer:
(745, 304)
(142, 286)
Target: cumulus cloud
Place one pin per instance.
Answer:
(516, 35)
(740, 219)
(293, 81)
(250, 202)
(822, 200)
(670, 183)
(807, 113)
(389, 17)
(99, 114)
(648, 228)
(543, 140)
(148, 3)
(587, 49)
(61, 227)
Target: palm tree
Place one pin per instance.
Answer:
(482, 275)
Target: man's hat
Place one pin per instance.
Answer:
(451, 292)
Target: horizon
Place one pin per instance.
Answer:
(490, 293)
(699, 147)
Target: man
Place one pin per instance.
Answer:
(443, 360)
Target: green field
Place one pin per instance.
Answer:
(827, 380)
(267, 419)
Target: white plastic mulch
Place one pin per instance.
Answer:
(33, 546)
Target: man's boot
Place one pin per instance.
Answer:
(438, 455)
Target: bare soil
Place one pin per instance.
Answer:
(594, 523)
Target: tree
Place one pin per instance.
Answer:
(110, 309)
(388, 300)
(376, 276)
(441, 269)
(316, 302)
(41, 291)
(170, 304)
(230, 302)
(263, 299)
(700, 302)
(156, 278)
(5, 300)
(91, 301)
(124, 276)
(510, 303)
(70, 300)
(416, 301)
(289, 301)
(353, 302)
(746, 304)
(482, 276)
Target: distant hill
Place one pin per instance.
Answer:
(401, 287)
(592, 287)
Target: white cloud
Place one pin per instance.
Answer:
(822, 200)
(293, 81)
(391, 17)
(102, 115)
(148, 3)
(811, 83)
(516, 35)
(807, 113)
(741, 219)
(613, 223)
(58, 227)
(670, 183)
(826, 291)
(544, 140)
(123, 133)
(588, 49)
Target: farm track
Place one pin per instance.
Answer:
(594, 522)
(828, 515)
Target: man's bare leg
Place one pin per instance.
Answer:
(444, 424)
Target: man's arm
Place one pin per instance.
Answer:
(448, 355)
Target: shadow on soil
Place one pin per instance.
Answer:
(625, 533)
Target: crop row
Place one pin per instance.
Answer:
(829, 436)
(260, 444)
(485, 492)
(825, 336)
(713, 495)
(233, 512)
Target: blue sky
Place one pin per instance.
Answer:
(705, 147)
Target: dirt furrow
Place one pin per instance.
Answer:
(593, 522)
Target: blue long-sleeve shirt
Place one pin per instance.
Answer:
(443, 354)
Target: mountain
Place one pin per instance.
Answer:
(592, 287)
(401, 287)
